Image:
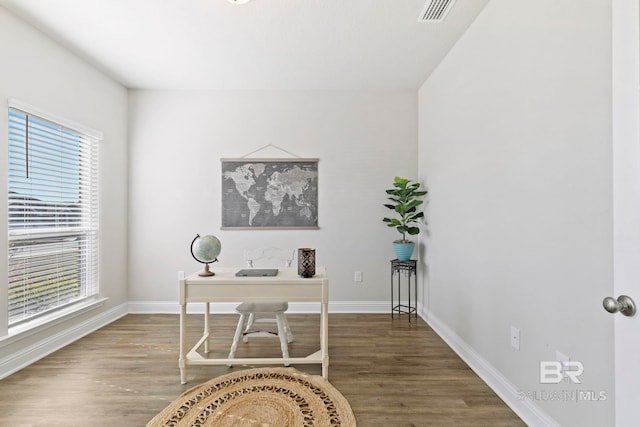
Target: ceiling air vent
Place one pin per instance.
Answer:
(435, 10)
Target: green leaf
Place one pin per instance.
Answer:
(400, 181)
(413, 230)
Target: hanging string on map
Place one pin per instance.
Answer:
(272, 146)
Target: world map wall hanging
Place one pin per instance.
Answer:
(269, 193)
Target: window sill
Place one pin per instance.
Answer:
(39, 324)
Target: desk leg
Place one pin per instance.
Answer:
(205, 334)
(182, 360)
(324, 339)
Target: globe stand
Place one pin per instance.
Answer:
(206, 272)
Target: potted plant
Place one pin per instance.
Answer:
(406, 198)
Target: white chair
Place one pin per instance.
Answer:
(255, 313)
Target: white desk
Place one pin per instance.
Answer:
(226, 287)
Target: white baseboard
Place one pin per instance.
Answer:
(172, 307)
(360, 307)
(24, 357)
(527, 410)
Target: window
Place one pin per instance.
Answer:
(53, 215)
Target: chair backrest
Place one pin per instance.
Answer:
(272, 257)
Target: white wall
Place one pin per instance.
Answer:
(363, 139)
(515, 147)
(39, 72)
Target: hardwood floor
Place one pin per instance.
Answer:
(393, 373)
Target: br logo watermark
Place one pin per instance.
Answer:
(556, 372)
(553, 372)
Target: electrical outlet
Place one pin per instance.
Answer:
(515, 338)
(357, 276)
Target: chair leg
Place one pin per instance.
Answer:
(252, 318)
(287, 329)
(236, 338)
(280, 320)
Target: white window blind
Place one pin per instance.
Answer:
(53, 216)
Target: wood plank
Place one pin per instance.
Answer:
(393, 373)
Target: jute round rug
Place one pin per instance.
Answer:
(265, 397)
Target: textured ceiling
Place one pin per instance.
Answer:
(264, 44)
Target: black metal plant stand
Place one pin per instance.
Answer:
(407, 269)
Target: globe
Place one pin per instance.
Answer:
(205, 250)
